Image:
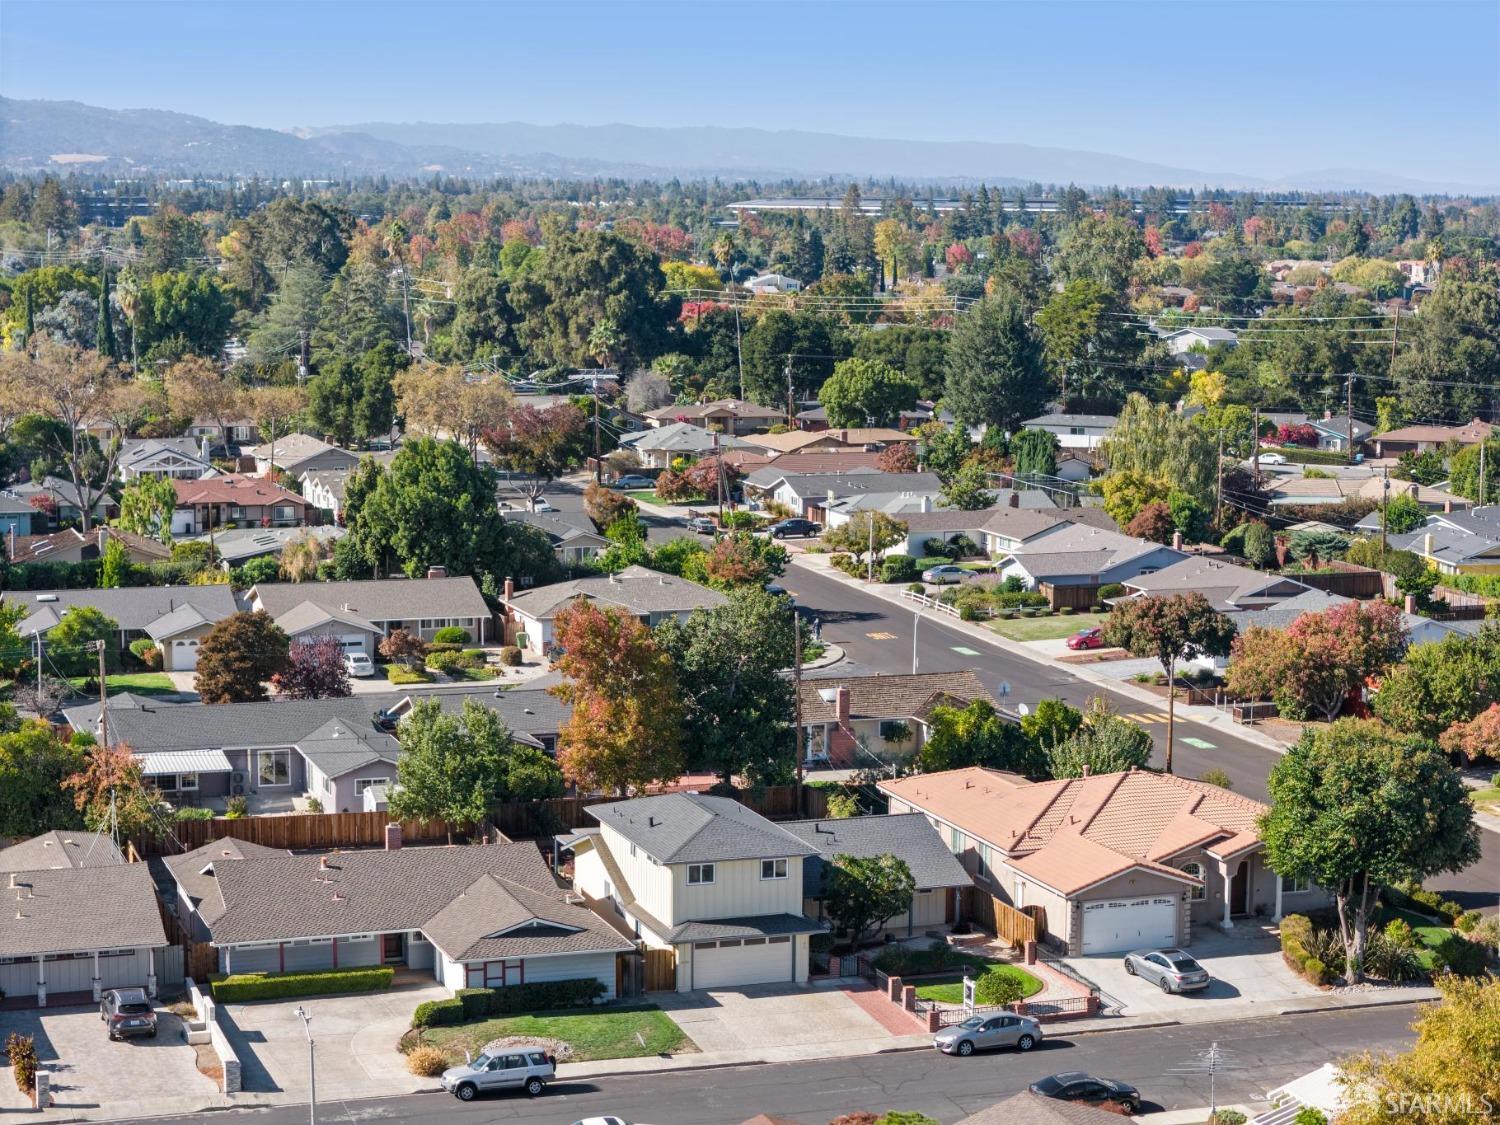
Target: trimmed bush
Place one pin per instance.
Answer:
(916, 588)
(1297, 938)
(1315, 971)
(439, 1013)
(1450, 911)
(193, 813)
(1111, 590)
(510, 656)
(1226, 1117)
(470, 1004)
(1468, 921)
(996, 989)
(426, 1062)
(1460, 956)
(241, 987)
(476, 1002)
(898, 568)
(1065, 611)
(741, 521)
(399, 674)
(452, 635)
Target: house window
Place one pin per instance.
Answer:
(700, 874)
(1295, 884)
(363, 783)
(273, 767)
(773, 869)
(982, 861)
(1196, 871)
(955, 840)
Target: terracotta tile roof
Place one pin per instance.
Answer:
(1071, 863)
(882, 696)
(234, 488)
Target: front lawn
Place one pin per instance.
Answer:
(604, 1034)
(401, 674)
(1429, 932)
(1046, 628)
(950, 989)
(1487, 799)
(649, 496)
(140, 683)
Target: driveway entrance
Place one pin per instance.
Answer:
(769, 1015)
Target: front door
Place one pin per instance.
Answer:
(1239, 889)
(392, 949)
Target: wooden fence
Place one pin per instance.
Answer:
(661, 970)
(1006, 922)
(1346, 580)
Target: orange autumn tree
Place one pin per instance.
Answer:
(625, 731)
(111, 792)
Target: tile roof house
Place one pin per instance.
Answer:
(728, 416)
(643, 593)
(848, 720)
(1072, 561)
(1115, 861)
(296, 454)
(78, 920)
(232, 500)
(1426, 439)
(480, 916)
(175, 458)
(175, 617)
(940, 879)
(360, 612)
(705, 877)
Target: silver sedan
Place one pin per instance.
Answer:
(979, 1033)
(1171, 970)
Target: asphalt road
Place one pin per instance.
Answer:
(877, 636)
(1161, 1062)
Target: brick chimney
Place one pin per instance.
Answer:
(841, 704)
(1014, 499)
(393, 837)
(1448, 507)
(510, 589)
(1176, 540)
(1411, 603)
(437, 572)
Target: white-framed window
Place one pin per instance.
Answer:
(982, 861)
(273, 767)
(363, 783)
(1196, 871)
(700, 874)
(773, 869)
(1295, 884)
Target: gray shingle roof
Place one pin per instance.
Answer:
(180, 620)
(636, 589)
(697, 828)
(382, 599)
(760, 925)
(496, 918)
(1282, 614)
(196, 871)
(907, 836)
(1223, 583)
(679, 437)
(1098, 421)
(311, 615)
(338, 747)
(78, 909)
(134, 607)
(55, 850)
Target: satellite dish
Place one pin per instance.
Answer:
(1023, 710)
(1004, 688)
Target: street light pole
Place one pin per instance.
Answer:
(312, 1067)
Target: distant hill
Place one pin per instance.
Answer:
(49, 134)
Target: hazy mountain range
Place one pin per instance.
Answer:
(50, 134)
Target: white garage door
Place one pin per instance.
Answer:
(1121, 924)
(184, 655)
(353, 642)
(752, 961)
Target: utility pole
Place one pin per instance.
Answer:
(870, 558)
(1349, 415)
(1385, 499)
(791, 412)
(1255, 446)
(1482, 493)
(797, 697)
(1395, 333)
(598, 464)
(98, 646)
(739, 355)
(719, 474)
(312, 1066)
(38, 635)
(1219, 482)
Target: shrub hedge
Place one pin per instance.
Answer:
(241, 987)
(471, 1004)
(899, 568)
(452, 635)
(1296, 936)
(510, 656)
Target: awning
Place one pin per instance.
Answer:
(183, 761)
(766, 925)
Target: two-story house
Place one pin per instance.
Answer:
(718, 884)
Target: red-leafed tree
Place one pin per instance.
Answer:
(314, 670)
(672, 486)
(1475, 739)
(1153, 240)
(1300, 434)
(739, 559)
(705, 479)
(1027, 243)
(898, 458)
(111, 792)
(542, 444)
(1153, 522)
(625, 732)
(1192, 249)
(959, 257)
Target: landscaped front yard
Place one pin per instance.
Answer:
(1487, 799)
(141, 683)
(1046, 628)
(605, 1034)
(950, 989)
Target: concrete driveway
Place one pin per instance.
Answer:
(771, 1015)
(94, 1078)
(355, 1038)
(1249, 978)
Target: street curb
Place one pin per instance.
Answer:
(832, 655)
(1392, 1002)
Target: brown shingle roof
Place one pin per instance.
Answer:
(79, 909)
(196, 871)
(882, 696)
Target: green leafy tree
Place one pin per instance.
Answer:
(146, 506)
(915, 351)
(1354, 808)
(942, 449)
(1051, 721)
(114, 565)
(67, 645)
(356, 314)
(287, 326)
(863, 530)
(237, 657)
(181, 313)
(1100, 248)
(1158, 443)
(780, 341)
(34, 762)
(1035, 452)
(1404, 514)
(1260, 548)
(1085, 338)
(1128, 492)
(1105, 743)
(861, 892)
(484, 320)
(1442, 683)
(736, 701)
(968, 489)
(864, 392)
(738, 560)
(1170, 629)
(994, 365)
(976, 735)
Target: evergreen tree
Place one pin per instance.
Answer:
(105, 339)
(994, 365)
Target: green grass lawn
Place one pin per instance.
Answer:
(401, 674)
(950, 989)
(1429, 932)
(604, 1034)
(649, 496)
(141, 683)
(1046, 628)
(1487, 799)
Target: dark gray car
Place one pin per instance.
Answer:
(1171, 970)
(127, 1012)
(981, 1033)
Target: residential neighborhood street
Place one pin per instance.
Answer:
(1263, 1054)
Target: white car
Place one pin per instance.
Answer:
(358, 664)
(1272, 459)
(540, 505)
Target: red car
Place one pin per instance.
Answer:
(1087, 638)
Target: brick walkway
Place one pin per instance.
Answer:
(894, 1018)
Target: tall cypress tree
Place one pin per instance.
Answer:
(106, 341)
(30, 313)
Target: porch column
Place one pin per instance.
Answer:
(97, 989)
(151, 973)
(41, 982)
(1226, 925)
(1277, 916)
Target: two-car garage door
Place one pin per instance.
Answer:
(723, 964)
(1116, 925)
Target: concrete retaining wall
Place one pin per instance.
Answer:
(208, 1011)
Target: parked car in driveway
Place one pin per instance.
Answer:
(358, 664)
(786, 528)
(703, 525)
(527, 1070)
(1087, 638)
(980, 1033)
(1170, 969)
(127, 1012)
(947, 574)
(631, 481)
(1075, 1086)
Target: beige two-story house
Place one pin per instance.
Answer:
(718, 884)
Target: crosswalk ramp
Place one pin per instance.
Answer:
(1147, 717)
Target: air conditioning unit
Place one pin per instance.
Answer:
(237, 789)
(238, 777)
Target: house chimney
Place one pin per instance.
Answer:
(393, 837)
(1448, 507)
(322, 863)
(1014, 499)
(510, 589)
(1411, 603)
(1176, 540)
(1087, 770)
(1427, 544)
(841, 704)
(103, 534)
(832, 498)
(437, 572)
(926, 503)
(1327, 415)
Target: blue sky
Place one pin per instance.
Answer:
(1263, 88)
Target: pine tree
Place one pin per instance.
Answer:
(107, 345)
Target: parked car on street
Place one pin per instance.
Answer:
(1075, 1086)
(520, 1069)
(1170, 969)
(358, 664)
(1087, 638)
(127, 1012)
(795, 526)
(947, 574)
(1272, 459)
(979, 1033)
(631, 481)
(703, 525)
(540, 504)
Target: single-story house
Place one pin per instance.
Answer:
(16, 516)
(1229, 588)
(808, 441)
(848, 721)
(1077, 465)
(643, 593)
(1115, 861)
(177, 458)
(1183, 341)
(237, 432)
(727, 416)
(479, 916)
(296, 454)
(658, 448)
(716, 883)
(1071, 562)
(1428, 439)
(1334, 432)
(994, 531)
(78, 920)
(237, 547)
(1284, 490)
(234, 500)
(810, 494)
(177, 618)
(571, 534)
(195, 874)
(360, 612)
(65, 498)
(1457, 542)
(1074, 431)
(1419, 629)
(940, 878)
(773, 283)
(72, 545)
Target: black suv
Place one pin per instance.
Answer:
(127, 1012)
(787, 528)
